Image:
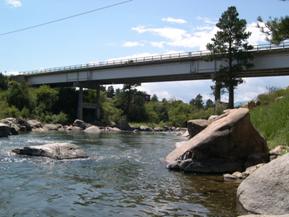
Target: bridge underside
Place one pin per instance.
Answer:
(182, 77)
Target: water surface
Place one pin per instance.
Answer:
(124, 176)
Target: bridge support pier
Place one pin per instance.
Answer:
(80, 104)
(97, 108)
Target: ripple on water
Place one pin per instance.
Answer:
(124, 176)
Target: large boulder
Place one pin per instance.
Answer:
(266, 190)
(17, 125)
(57, 151)
(196, 126)
(5, 130)
(228, 144)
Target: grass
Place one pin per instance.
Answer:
(271, 117)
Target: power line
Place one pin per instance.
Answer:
(65, 18)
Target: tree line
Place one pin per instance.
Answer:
(59, 105)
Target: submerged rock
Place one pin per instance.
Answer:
(266, 190)
(57, 151)
(228, 144)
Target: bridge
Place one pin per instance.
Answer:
(269, 60)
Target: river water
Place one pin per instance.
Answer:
(124, 176)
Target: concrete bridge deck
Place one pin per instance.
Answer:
(269, 60)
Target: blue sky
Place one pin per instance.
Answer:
(138, 28)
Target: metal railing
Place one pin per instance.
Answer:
(146, 59)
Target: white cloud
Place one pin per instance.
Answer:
(157, 44)
(133, 44)
(196, 38)
(14, 3)
(176, 37)
(207, 20)
(257, 36)
(174, 20)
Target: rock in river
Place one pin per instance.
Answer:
(228, 144)
(57, 151)
(92, 130)
(17, 125)
(5, 130)
(266, 190)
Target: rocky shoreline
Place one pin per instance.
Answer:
(15, 126)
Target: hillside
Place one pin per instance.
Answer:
(271, 116)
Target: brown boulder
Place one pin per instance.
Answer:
(228, 144)
(196, 126)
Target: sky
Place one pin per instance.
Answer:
(136, 28)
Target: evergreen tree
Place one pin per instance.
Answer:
(198, 101)
(154, 98)
(110, 92)
(277, 29)
(209, 103)
(3, 82)
(230, 44)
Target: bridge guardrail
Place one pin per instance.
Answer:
(145, 59)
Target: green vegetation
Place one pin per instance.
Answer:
(59, 105)
(271, 116)
(230, 43)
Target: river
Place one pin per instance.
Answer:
(124, 176)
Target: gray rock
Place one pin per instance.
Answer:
(229, 177)
(145, 128)
(52, 127)
(158, 129)
(279, 150)
(17, 125)
(229, 144)
(112, 129)
(92, 130)
(57, 151)
(75, 129)
(196, 126)
(80, 123)
(266, 190)
(34, 124)
(238, 174)
(5, 130)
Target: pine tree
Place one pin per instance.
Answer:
(230, 44)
